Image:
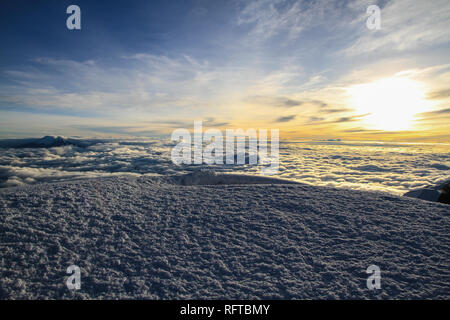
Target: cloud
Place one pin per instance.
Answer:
(359, 130)
(432, 114)
(319, 103)
(438, 95)
(345, 119)
(336, 110)
(140, 82)
(350, 118)
(106, 158)
(405, 25)
(286, 19)
(292, 103)
(274, 101)
(314, 119)
(285, 118)
(359, 165)
(121, 130)
(211, 122)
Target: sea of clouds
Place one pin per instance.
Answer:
(395, 168)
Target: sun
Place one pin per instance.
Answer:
(389, 104)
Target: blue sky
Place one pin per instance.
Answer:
(143, 68)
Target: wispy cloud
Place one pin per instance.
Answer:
(438, 95)
(285, 118)
(263, 58)
(405, 25)
(431, 114)
(288, 19)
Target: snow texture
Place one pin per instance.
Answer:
(205, 237)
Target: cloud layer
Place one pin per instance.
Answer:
(395, 168)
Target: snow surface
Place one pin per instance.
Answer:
(177, 237)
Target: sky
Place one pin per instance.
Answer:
(312, 69)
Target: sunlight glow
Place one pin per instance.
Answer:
(389, 104)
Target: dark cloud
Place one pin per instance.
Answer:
(326, 108)
(349, 118)
(436, 112)
(336, 110)
(381, 132)
(374, 132)
(317, 120)
(441, 94)
(285, 119)
(289, 102)
(345, 119)
(292, 103)
(319, 103)
(210, 122)
(275, 101)
(358, 130)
